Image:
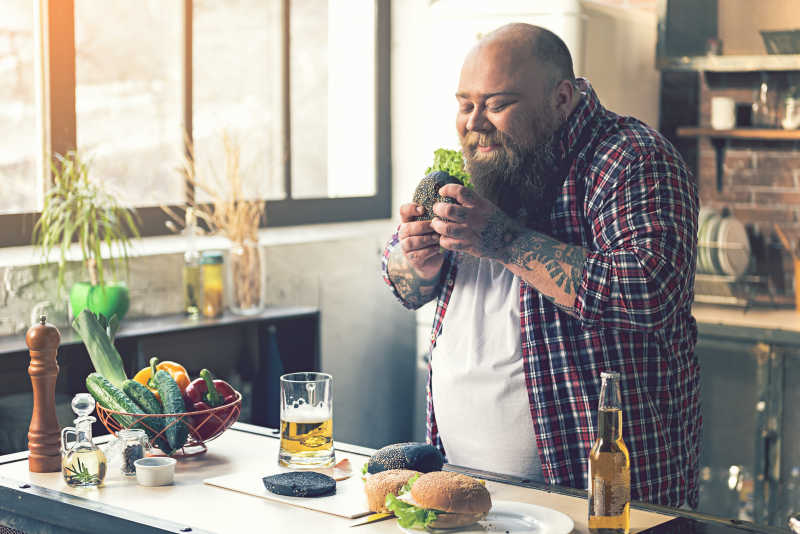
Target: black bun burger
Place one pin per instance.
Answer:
(441, 499)
(412, 455)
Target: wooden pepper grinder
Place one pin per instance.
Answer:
(44, 435)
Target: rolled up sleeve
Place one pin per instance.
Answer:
(640, 270)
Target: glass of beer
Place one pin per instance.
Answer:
(306, 421)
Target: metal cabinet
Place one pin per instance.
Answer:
(750, 464)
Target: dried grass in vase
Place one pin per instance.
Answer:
(232, 215)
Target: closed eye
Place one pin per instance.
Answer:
(494, 108)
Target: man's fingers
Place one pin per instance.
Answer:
(450, 229)
(414, 228)
(419, 242)
(449, 243)
(459, 193)
(409, 211)
(452, 212)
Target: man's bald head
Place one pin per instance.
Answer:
(526, 42)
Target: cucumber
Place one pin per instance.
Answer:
(148, 403)
(111, 397)
(105, 358)
(171, 399)
(142, 396)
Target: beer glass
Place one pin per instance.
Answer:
(306, 421)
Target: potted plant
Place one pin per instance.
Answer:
(79, 210)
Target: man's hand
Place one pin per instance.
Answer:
(481, 229)
(415, 264)
(419, 242)
(474, 225)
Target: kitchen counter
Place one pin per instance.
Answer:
(42, 503)
(779, 326)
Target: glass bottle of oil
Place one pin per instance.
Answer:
(609, 465)
(83, 464)
(192, 275)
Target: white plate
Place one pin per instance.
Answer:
(733, 254)
(514, 518)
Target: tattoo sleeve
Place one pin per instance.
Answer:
(412, 288)
(554, 268)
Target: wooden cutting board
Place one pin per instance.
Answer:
(349, 501)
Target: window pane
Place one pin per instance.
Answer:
(236, 91)
(128, 96)
(332, 62)
(19, 149)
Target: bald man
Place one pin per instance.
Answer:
(574, 254)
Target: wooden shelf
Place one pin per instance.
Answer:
(764, 134)
(762, 63)
(721, 138)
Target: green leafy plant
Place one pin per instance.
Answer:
(78, 209)
(451, 162)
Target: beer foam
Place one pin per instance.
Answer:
(306, 413)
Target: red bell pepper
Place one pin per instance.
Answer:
(205, 393)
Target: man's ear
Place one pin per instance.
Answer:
(564, 95)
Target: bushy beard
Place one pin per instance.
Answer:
(521, 180)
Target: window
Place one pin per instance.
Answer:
(18, 120)
(128, 95)
(300, 85)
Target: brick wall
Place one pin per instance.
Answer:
(760, 181)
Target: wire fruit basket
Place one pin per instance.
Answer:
(203, 425)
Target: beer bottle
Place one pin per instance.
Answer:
(609, 465)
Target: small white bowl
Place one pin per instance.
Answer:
(155, 470)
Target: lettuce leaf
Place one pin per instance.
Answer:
(407, 486)
(408, 515)
(451, 162)
(364, 468)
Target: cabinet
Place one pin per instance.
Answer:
(250, 352)
(750, 463)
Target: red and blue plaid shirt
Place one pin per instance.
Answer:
(630, 201)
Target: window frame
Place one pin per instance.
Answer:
(56, 101)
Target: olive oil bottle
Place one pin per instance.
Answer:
(83, 464)
(192, 275)
(609, 465)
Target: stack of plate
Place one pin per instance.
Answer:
(723, 246)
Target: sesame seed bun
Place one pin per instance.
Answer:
(417, 456)
(379, 485)
(465, 500)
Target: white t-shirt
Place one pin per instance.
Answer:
(479, 393)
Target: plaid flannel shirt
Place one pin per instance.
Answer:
(628, 199)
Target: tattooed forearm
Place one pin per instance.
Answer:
(554, 268)
(415, 290)
(564, 263)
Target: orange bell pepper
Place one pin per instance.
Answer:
(175, 370)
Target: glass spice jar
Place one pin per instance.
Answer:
(213, 287)
(134, 445)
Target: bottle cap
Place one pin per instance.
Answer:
(211, 257)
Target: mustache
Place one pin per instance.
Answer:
(474, 139)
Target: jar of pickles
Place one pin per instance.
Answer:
(213, 287)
